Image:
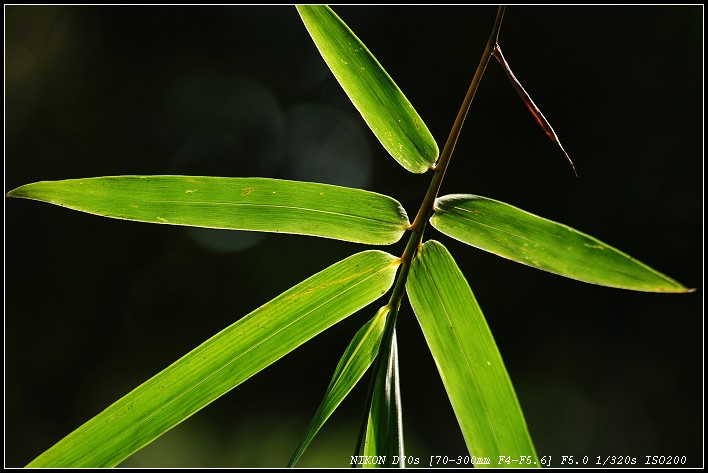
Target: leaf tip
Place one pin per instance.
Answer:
(17, 192)
(674, 287)
(681, 289)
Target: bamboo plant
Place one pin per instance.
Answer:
(471, 367)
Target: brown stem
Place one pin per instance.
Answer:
(441, 166)
(421, 219)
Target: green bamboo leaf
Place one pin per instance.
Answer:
(520, 236)
(468, 360)
(225, 361)
(381, 103)
(384, 430)
(357, 358)
(258, 204)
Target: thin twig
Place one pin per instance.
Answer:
(530, 105)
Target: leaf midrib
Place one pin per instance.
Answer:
(278, 206)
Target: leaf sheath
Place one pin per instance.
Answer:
(384, 430)
(531, 105)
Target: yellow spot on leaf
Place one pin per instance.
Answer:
(247, 190)
(189, 191)
(160, 219)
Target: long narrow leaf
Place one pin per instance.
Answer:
(381, 103)
(224, 361)
(259, 204)
(357, 358)
(520, 236)
(468, 360)
(384, 432)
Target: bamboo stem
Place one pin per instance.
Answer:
(421, 219)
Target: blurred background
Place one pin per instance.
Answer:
(93, 307)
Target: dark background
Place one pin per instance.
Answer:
(94, 306)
